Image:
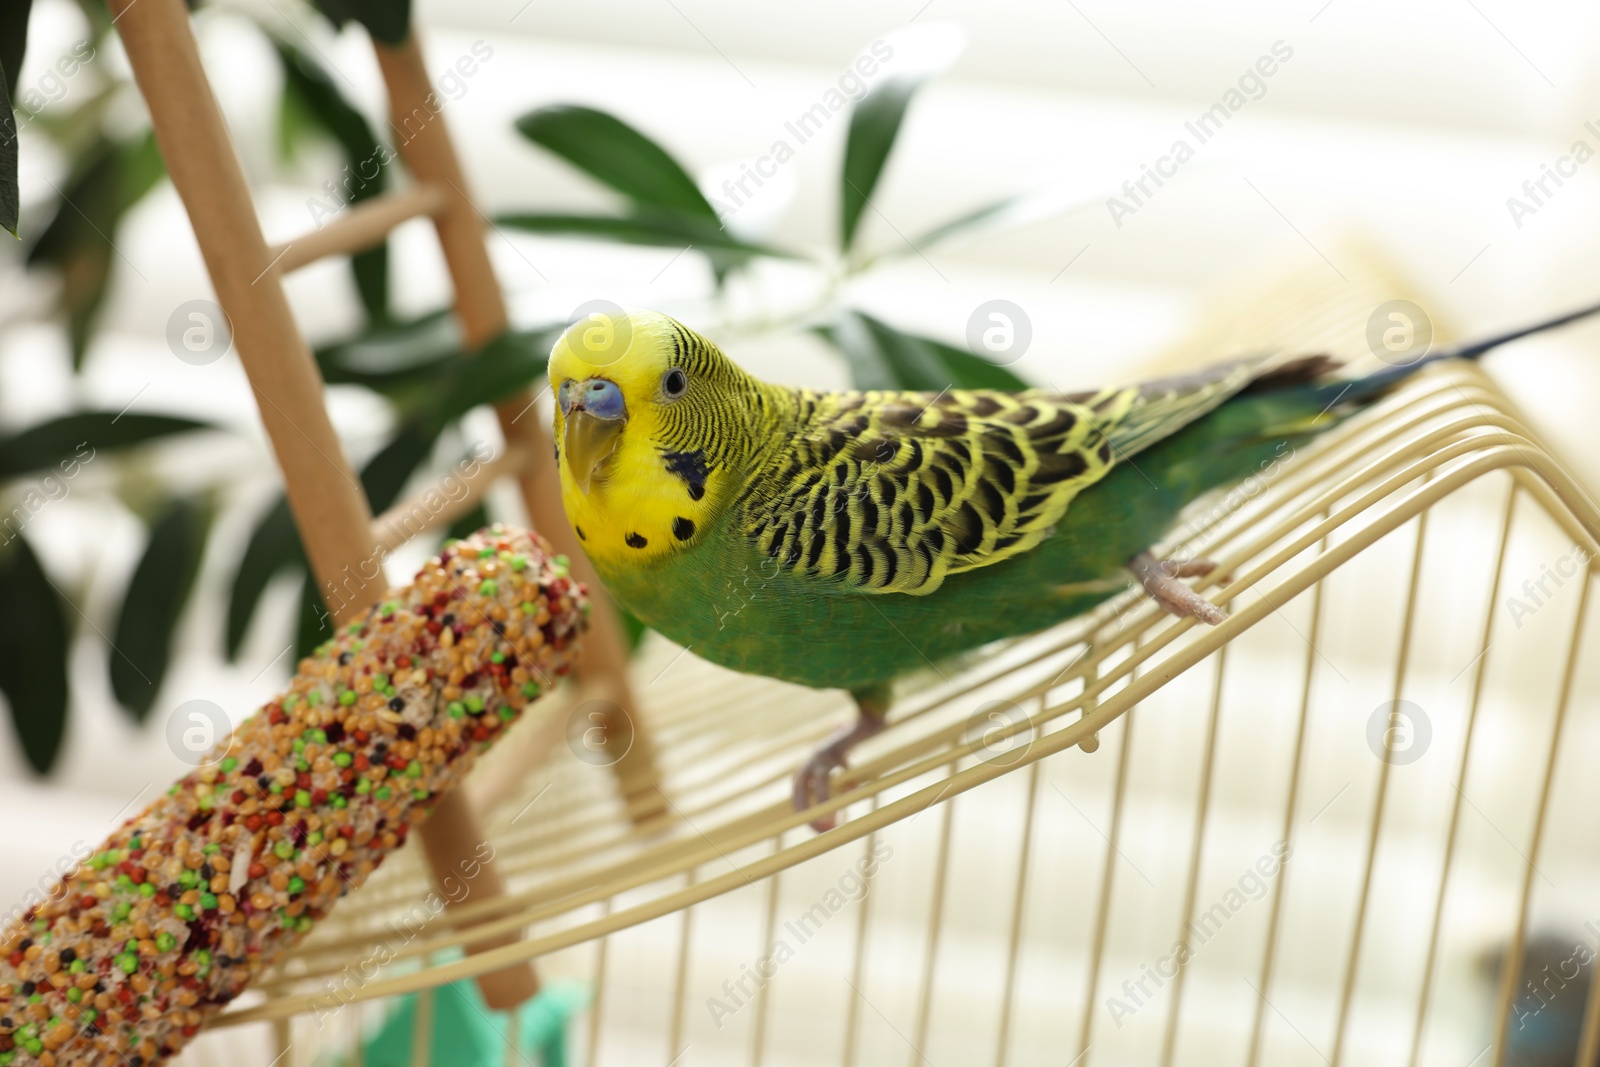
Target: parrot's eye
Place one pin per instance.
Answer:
(675, 383)
(564, 397)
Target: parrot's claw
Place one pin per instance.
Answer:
(811, 783)
(1161, 580)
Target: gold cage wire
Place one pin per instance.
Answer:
(1034, 920)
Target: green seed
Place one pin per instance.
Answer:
(347, 697)
(343, 759)
(488, 587)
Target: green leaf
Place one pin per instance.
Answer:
(512, 361)
(13, 42)
(470, 523)
(273, 546)
(391, 357)
(313, 623)
(388, 21)
(875, 120)
(883, 357)
(1010, 212)
(141, 643)
(80, 240)
(10, 203)
(657, 230)
(81, 436)
(609, 150)
(33, 670)
(310, 94)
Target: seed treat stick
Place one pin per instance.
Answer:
(189, 900)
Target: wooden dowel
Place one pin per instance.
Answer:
(361, 227)
(329, 506)
(324, 495)
(424, 142)
(422, 512)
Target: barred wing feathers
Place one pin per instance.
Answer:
(890, 492)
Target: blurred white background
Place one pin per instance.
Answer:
(1405, 126)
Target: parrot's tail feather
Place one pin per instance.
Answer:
(1366, 388)
(1293, 372)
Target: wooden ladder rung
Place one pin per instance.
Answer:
(361, 227)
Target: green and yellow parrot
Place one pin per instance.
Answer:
(841, 540)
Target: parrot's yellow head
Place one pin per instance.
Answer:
(654, 431)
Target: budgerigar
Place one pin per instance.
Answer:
(846, 539)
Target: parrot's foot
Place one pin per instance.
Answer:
(811, 783)
(1160, 579)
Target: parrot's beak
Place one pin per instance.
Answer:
(588, 441)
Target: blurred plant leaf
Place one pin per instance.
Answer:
(33, 670)
(388, 21)
(392, 357)
(79, 241)
(1013, 212)
(313, 624)
(644, 228)
(469, 523)
(13, 42)
(512, 361)
(59, 440)
(882, 357)
(274, 545)
(609, 150)
(918, 55)
(141, 643)
(9, 202)
(310, 95)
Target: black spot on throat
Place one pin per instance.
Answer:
(682, 528)
(691, 467)
(634, 540)
(579, 530)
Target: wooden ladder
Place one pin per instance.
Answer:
(325, 496)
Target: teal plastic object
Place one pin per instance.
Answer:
(466, 1033)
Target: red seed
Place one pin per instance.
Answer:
(257, 870)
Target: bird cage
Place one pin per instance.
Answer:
(1286, 839)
